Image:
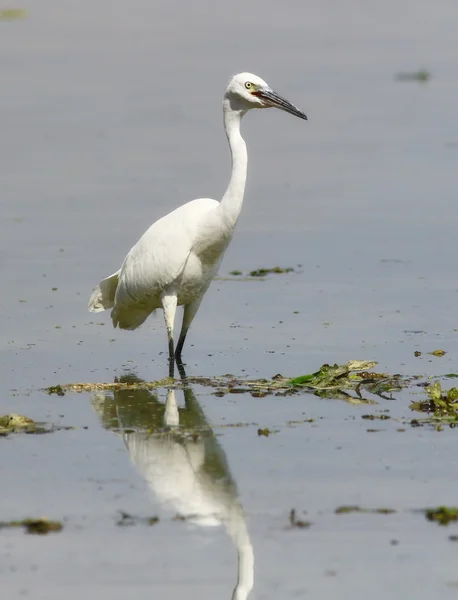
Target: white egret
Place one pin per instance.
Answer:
(175, 260)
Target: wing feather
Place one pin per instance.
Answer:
(159, 257)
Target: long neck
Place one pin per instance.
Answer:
(232, 201)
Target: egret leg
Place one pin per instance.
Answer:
(188, 315)
(169, 304)
(171, 367)
(181, 369)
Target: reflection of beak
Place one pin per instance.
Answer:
(271, 98)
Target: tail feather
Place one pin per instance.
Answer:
(104, 294)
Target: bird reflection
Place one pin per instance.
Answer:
(175, 451)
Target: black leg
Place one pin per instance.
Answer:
(188, 315)
(171, 368)
(171, 359)
(181, 370)
(180, 345)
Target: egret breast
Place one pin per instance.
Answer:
(196, 277)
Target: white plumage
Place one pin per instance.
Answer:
(175, 260)
(167, 254)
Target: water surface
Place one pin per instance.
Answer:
(111, 116)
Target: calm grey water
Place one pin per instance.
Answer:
(111, 117)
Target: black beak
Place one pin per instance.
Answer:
(273, 99)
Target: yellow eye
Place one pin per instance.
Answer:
(248, 85)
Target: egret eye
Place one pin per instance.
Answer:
(248, 85)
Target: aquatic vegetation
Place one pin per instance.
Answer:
(126, 520)
(373, 417)
(442, 515)
(56, 389)
(115, 386)
(295, 523)
(422, 76)
(351, 382)
(13, 423)
(262, 272)
(334, 381)
(35, 526)
(330, 381)
(264, 432)
(329, 375)
(268, 271)
(345, 510)
(442, 405)
(12, 14)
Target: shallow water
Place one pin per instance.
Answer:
(110, 118)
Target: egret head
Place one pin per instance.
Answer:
(246, 91)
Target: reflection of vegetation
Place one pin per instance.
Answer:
(38, 526)
(442, 515)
